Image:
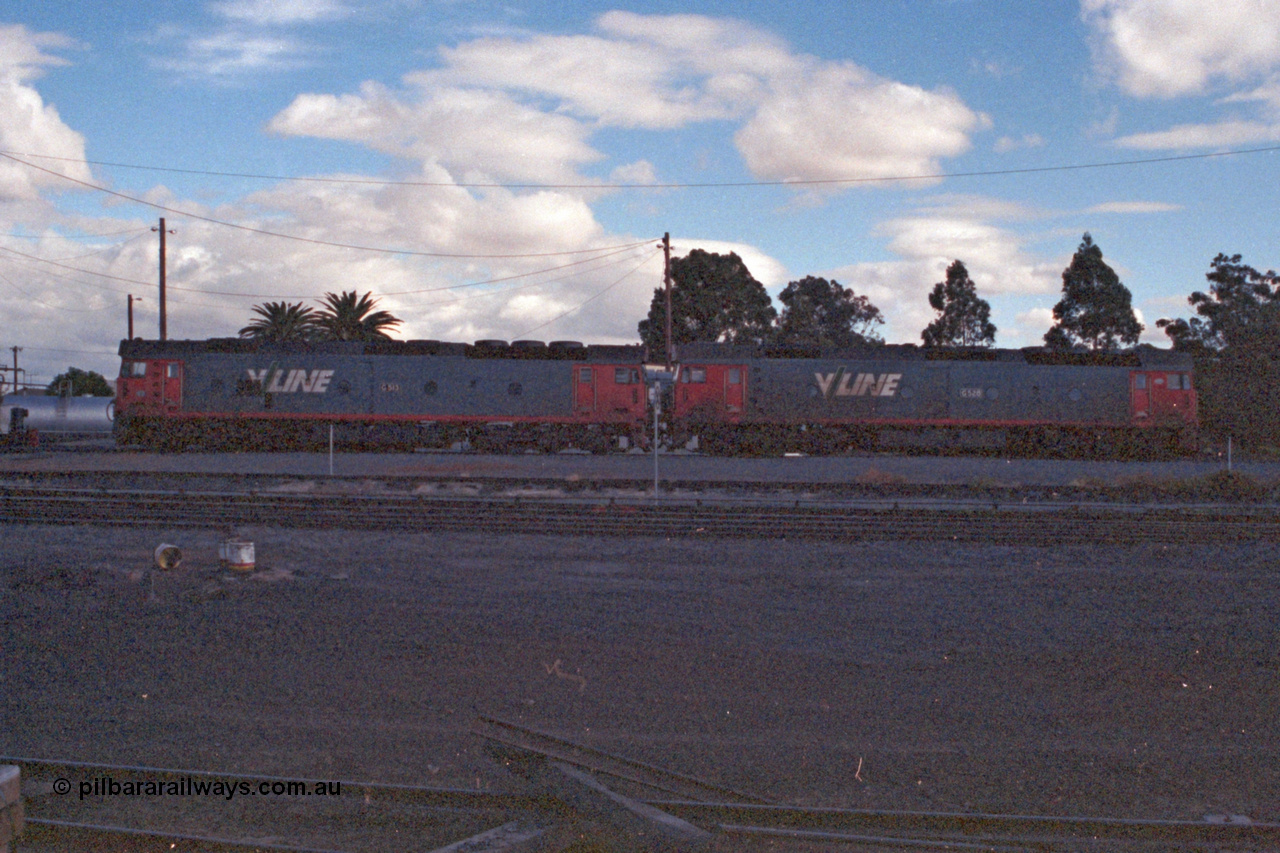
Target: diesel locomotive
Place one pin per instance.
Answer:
(234, 393)
(753, 399)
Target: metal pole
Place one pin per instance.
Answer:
(164, 324)
(164, 319)
(130, 316)
(666, 283)
(330, 450)
(657, 396)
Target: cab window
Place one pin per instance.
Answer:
(735, 376)
(693, 374)
(172, 371)
(133, 368)
(584, 374)
(623, 376)
(1140, 381)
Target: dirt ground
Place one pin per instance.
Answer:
(1138, 682)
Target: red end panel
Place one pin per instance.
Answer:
(150, 387)
(1172, 398)
(609, 393)
(713, 392)
(1161, 398)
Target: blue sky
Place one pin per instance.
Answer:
(424, 148)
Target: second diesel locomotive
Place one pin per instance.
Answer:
(752, 399)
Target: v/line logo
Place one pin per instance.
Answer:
(842, 384)
(276, 381)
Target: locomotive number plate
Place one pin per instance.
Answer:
(390, 387)
(971, 393)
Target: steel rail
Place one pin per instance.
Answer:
(903, 828)
(615, 517)
(967, 824)
(599, 761)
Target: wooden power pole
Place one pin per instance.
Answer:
(164, 319)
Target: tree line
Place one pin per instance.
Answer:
(715, 298)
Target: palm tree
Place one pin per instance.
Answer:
(280, 321)
(349, 316)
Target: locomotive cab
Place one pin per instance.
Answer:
(710, 392)
(1161, 397)
(149, 387)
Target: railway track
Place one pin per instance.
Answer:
(560, 784)
(1035, 524)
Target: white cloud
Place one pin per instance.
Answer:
(254, 38)
(803, 118)
(1166, 48)
(837, 121)
(1268, 95)
(230, 54)
(31, 126)
(1030, 326)
(1173, 48)
(639, 172)
(1224, 134)
(1005, 144)
(480, 134)
(943, 230)
(277, 12)
(1134, 207)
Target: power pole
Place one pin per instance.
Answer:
(131, 316)
(164, 324)
(666, 283)
(16, 350)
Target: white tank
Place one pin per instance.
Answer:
(59, 415)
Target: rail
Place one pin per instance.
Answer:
(590, 516)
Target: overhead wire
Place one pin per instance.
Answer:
(264, 232)
(604, 185)
(605, 253)
(587, 301)
(517, 287)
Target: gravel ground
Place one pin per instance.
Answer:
(1138, 682)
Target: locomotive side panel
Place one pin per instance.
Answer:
(275, 385)
(443, 387)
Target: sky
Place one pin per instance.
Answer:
(507, 169)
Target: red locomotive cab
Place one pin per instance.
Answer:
(1161, 397)
(151, 387)
(712, 392)
(609, 392)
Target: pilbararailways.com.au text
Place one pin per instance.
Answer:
(195, 786)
